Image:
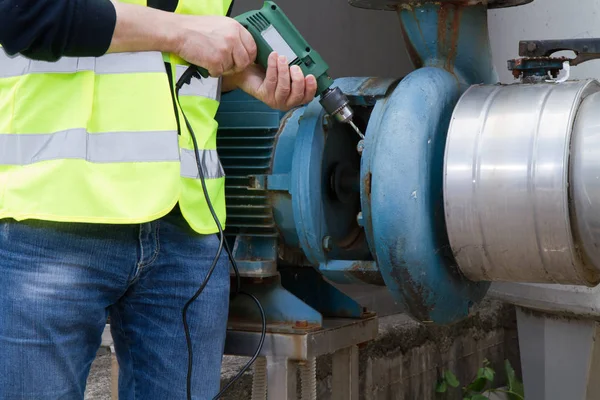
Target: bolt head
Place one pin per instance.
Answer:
(531, 46)
(301, 324)
(359, 219)
(360, 147)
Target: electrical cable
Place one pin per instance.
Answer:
(192, 72)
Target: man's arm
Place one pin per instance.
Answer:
(218, 43)
(51, 29)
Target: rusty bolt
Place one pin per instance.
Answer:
(301, 324)
(327, 243)
(359, 219)
(531, 46)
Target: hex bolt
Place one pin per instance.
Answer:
(327, 243)
(301, 324)
(531, 46)
(308, 377)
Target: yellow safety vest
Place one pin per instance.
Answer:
(96, 139)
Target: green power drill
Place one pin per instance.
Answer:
(273, 31)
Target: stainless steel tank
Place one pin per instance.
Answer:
(521, 185)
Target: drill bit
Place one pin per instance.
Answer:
(356, 129)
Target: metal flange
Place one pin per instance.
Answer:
(394, 5)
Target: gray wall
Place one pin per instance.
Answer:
(353, 41)
(358, 42)
(543, 19)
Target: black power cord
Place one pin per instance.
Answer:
(192, 72)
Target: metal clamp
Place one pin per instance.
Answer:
(536, 62)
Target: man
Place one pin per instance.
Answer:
(101, 206)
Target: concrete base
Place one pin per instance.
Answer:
(560, 357)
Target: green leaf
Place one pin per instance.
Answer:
(514, 385)
(488, 374)
(441, 387)
(477, 385)
(479, 373)
(479, 397)
(451, 379)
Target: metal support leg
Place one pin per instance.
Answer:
(281, 379)
(114, 374)
(283, 352)
(560, 358)
(107, 342)
(345, 374)
(259, 380)
(308, 375)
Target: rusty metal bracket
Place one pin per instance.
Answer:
(584, 49)
(537, 61)
(394, 5)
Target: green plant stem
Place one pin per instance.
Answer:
(507, 392)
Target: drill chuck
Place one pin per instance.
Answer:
(335, 103)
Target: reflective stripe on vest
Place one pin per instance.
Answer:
(118, 63)
(110, 147)
(203, 87)
(209, 161)
(24, 149)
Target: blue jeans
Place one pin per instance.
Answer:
(59, 282)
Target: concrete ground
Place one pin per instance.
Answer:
(98, 387)
(403, 363)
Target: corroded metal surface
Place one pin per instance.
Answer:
(449, 36)
(394, 5)
(335, 335)
(402, 205)
(402, 165)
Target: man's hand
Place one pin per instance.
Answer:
(280, 87)
(219, 44)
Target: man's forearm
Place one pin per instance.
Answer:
(145, 29)
(50, 29)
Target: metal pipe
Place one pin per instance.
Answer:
(450, 36)
(508, 208)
